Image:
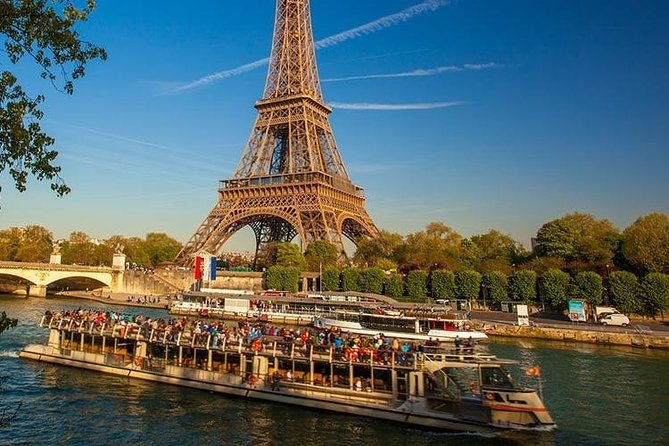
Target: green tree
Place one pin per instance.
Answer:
(624, 291)
(46, 32)
(283, 278)
(578, 237)
(135, 252)
(468, 284)
(416, 284)
(493, 245)
(442, 284)
(393, 286)
(379, 250)
(371, 280)
(321, 255)
(523, 285)
(78, 249)
(496, 285)
(554, 286)
(289, 254)
(588, 285)
(10, 242)
(36, 245)
(331, 280)
(160, 247)
(350, 279)
(438, 246)
(645, 243)
(655, 287)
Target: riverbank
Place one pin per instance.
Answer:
(631, 338)
(121, 299)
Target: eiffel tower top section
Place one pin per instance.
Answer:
(292, 136)
(293, 70)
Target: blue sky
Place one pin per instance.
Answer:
(523, 111)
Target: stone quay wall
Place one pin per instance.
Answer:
(630, 338)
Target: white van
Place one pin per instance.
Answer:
(615, 319)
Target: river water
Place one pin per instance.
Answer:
(598, 396)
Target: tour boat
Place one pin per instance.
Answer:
(419, 328)
(276, 309)
(430, 388)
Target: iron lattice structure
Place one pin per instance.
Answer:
(291, 180)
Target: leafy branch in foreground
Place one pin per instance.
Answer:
(44, 32)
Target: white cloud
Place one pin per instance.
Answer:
(420, 72)
(368, 28)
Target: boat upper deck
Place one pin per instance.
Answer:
(263, 339)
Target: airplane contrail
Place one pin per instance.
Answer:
(393, 107)
(417, 72)
(368, 28)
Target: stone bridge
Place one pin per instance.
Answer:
(40, 275)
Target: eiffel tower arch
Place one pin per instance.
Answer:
(291, 180)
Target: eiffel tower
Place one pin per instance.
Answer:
(291, 180)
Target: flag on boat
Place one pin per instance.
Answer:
(533, 371)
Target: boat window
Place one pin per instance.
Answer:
(495, 377)
(466, 379)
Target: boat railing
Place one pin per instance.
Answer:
(267, 345)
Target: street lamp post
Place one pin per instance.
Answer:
(608, 285)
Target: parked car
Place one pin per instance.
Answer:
(442, 302)
(615, 319)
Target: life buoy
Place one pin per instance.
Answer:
(257, 345)
(138, 361)
(490, 396)
(252, 379)
(347, 354)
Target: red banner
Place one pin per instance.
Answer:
(198, 268)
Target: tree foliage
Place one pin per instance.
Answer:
(330, 280)
(283, 278)
(655, 288)
(493, 245)
(578, 236)
(160, 247)
(45, 32)
(30, 244)
(588, 285)
(393, 286)
(350, 279)
(468, 284)
(624, 291)
(645, 243)
(438, 246)
(442, 284)
(523, 286)
(378, 251)
(289, 254)
(321, 255)
(416, 284)
(496, 286)
(554, 286)
(371, 280)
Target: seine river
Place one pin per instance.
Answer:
(597, 395)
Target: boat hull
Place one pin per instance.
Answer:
(352, 403)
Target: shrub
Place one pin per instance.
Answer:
(468, 284)
(393, 286)
(416, 284)
(330, 280)
(624, 291)
(588, 285)
(350, 279)
(497, 285)
(554, 285)
(371, 280)
(442, 284)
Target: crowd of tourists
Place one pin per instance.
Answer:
(258, 336)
